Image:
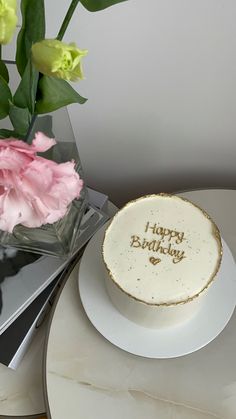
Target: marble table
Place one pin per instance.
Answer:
(21, 391)
(88, 377)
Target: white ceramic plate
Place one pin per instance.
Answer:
(170, 342)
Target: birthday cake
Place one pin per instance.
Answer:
(161, 254)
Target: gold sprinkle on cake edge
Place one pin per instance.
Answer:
(216, 234)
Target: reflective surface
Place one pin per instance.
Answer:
(59, 238)
(86, 376)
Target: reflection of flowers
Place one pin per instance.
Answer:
(34, 190)
(57, 59)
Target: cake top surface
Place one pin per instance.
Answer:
(162, 249)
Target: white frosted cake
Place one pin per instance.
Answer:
(161, 253)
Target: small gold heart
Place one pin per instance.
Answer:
(154, 261)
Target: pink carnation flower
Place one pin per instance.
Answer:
(34, 190)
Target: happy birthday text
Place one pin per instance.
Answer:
(163, 244)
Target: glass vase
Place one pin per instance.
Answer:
(59, 238)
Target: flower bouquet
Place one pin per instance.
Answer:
(42, 194)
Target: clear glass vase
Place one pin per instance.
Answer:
(59, 238)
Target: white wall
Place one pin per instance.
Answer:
(160, 79)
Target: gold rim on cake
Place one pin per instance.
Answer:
(216, 234)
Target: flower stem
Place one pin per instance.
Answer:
(67, 19)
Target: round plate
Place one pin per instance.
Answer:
(215, 312)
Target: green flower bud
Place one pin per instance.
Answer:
(8, 20)
(57, 59)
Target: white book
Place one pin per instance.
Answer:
(17, 337)
(24, 275)
(14, 342)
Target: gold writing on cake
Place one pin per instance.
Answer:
(159, 245)
(156, 246)
(165, 232)
(154, 261)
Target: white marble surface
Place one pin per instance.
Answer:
(87, 377)
(21, 391)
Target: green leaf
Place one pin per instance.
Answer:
(26, 92)
(7, 133)
(20, 119)
(54, 94)
(95, 6)
(32, 30)
(5, 98)
(4, 71)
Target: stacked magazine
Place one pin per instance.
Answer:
(29, 283)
